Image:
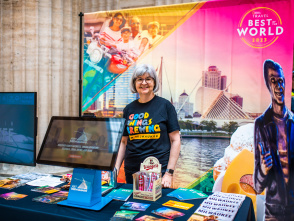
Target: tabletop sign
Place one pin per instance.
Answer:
(147, 181)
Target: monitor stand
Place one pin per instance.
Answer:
(85, 190)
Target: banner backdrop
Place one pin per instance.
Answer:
(209, 57)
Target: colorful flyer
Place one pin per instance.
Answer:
(146, 217)
(199, 217)
(12, 196)
(125, 214)
(46, 189)
(178, 205)
(10, 183)
(135, 206)
(168, 213)
(187, 194)
(52, 199)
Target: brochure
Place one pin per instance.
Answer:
(135, 206)
(199, 217)
(46, 189)
(52, 199)
(120, 194)
(10, 183)
(12, 196)
(50, 181)
(187, 194)
(146, 217)
(27, 177)
(168, 213)
(179, 205)
(125, 214)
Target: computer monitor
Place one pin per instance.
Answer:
(82, 142)
(18, 127)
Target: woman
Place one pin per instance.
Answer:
(111, 35)
(152, 128)
(150, 36)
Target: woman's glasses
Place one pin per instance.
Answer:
(118, 18)
(148, 80)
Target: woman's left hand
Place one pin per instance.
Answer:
(166, 180)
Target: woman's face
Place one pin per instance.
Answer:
(153, 30)
(144, 84)
(117, 21)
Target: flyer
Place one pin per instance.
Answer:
(125, 214)
(135, 206)
(120, 194)
(179, 205)
(168, 213)
(187, 194)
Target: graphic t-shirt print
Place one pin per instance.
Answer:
(140, 126)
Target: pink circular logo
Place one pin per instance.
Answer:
(260, 27)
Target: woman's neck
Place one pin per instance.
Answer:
(114, 28)
(146, 98)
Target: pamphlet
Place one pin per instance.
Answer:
(125, 214)
(46, 189)
(187, 194)
(199, 217)
(179, 205)
(146, 217)
(135, 206)
(49, 180)
(10, 183)
(52, 199)
(120, 194)
(167, 213)
(27, 177)
(12, 196)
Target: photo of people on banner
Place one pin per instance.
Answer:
(112, 46)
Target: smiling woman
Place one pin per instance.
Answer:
(151, 128)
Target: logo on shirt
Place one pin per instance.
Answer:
(140, 126)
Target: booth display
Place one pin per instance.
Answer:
(87, 144)
(18, 127)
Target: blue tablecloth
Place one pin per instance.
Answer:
(26, 209)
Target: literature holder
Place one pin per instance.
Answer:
(85, 190)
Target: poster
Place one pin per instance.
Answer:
(209, 58)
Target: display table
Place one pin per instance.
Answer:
(26, 209)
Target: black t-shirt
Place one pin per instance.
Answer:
(147, 127)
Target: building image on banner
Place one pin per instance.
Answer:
(209, 58)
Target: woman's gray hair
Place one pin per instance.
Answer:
(140, 70)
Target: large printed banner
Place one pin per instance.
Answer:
(210, 59)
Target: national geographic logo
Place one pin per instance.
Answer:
(260, 27)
